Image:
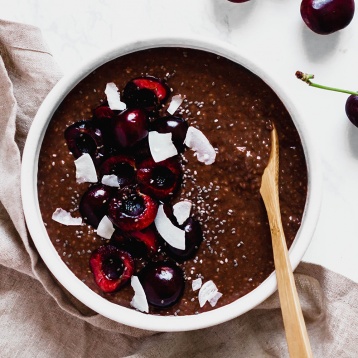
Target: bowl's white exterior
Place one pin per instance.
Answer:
(79, 289)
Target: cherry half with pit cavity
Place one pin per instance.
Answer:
(160, 180)
(122, 166)
(146, 92)
(163, 283)
(111, 267)
(131, 210)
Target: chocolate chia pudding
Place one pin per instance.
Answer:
(234, 110)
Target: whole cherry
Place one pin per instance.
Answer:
(327, 16)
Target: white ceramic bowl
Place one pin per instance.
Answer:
(79, 289)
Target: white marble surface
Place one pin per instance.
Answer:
(270, 30)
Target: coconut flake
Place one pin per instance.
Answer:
(170, 233)
(181, 210)
(214, 300)
(110, 180)
(85, 169)
(65, 218)
(207, 292)
(196, 284)
(113, 97)
(175, 103)
(105, 228)
(161, 146)
(139, 300)
(196, 140)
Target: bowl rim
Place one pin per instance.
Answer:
(65, 276)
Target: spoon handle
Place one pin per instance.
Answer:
(295, 328)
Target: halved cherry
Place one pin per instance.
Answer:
(160, 180)
(84, 137)
(94, 203)
(120, 165)
(146, 92)
(131, 210)
(111, 267)
(139, 244)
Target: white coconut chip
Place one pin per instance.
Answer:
(139, 300)
(181, 210)
(105, 228)
(175, 103)
(65, 218)
(110, 180)
(161, 146)
(214, 300)
(170, 233)
(113, 97)
(196, 284)
(207, 292)
(85, 169)
(196, 140)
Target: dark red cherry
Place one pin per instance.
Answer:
(94, 203)
(178, 126)
(129, 127)
(352, 109)
(138, 243)
(111, 267)
(193, 239)
(327, 16)
(163, 283)
(83, 137)
(160, 180)
(238, 1)
(131, 210)
(145, 92)
(120, 165)
(103, 112)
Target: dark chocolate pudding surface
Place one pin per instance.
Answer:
(234, 109)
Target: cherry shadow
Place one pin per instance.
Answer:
(352, 138)
(318, 47)
(231, 15)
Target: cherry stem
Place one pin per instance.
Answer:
(305, 77)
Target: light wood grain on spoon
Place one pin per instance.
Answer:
(295, 328)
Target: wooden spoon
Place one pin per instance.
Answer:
(296, 333)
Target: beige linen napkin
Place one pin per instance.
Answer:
(38, 318)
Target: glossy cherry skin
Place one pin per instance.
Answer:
(163, 283)
(327, 16)
(130, 127)
(131, 210)
(111, 267)
(175, 125)
(94, 203)
(193, 239)
(352, 109)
